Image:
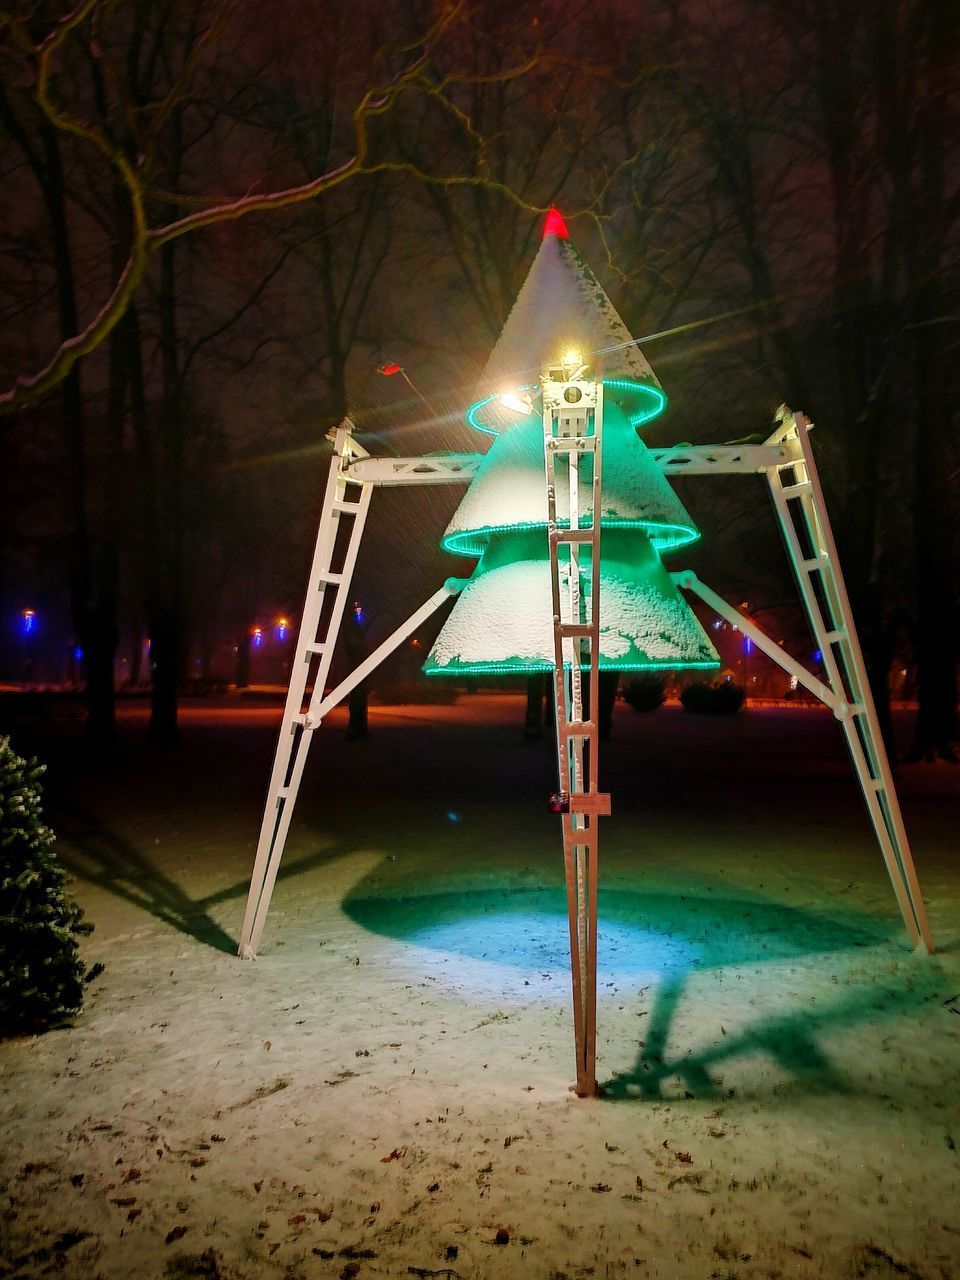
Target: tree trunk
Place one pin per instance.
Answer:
(166, 603)
(609, 681)
(355, 642)
(936, 639)
(533, 718)
(164, 667)
(934, 521)
(241, 675)
(93, 600)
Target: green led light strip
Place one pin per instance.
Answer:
(664, 537)
(656, 398)
(521, 667)
(639, 416)
(473, 421)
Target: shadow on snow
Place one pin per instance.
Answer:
(662, 939)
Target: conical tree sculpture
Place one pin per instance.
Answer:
(502, 622)
(567, 424)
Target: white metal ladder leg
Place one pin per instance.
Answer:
(573, 432)
(828, 610)
(314, 651)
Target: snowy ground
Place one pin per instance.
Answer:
(384, 1092)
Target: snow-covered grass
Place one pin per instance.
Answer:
(384, 1091)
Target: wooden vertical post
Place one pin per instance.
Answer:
(573, 433)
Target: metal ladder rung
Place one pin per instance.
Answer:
(316, 646)
(791, 490)
(572, 535)
(345, 506)
(578, 728)
(816, 562)
(590, 804)
(573, 444)
(833, 636)
(574, 629)
(328, 575)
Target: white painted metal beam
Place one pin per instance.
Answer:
(450, 468)
(687, 579)
(321, 704)
(725, 459)
(678, 459)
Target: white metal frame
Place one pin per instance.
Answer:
(342, 521)
(802, 514)
(788, 464)
(675, 460)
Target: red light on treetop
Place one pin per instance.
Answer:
(389, 369)
(555, 225)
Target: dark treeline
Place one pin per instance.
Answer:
(242, 219)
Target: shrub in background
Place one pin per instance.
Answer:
(41, 974)
(723, 699)
(645, 693)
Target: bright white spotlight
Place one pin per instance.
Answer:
(519, 404)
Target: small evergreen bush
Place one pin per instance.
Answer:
(723, 699)
(41, 974)
(645, 693)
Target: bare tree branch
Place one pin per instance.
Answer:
(146, 241)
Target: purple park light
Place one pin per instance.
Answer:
(256, 637)
(28, 621)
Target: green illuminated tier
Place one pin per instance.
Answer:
(503, 621)
(509, 490)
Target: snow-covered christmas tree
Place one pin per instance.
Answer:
(502, 622)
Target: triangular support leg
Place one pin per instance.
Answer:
(802, 514)
(801, 510)
(331, 574)
(279, 807)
